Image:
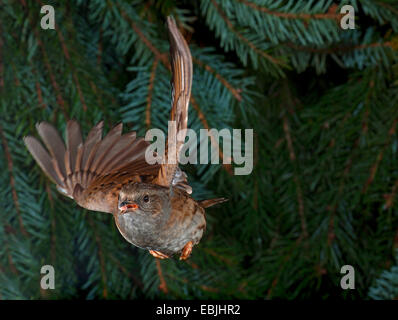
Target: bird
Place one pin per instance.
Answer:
(151, 204)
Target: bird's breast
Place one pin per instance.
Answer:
(183, 222)
(136, 229)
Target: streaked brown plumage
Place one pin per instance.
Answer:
(151, 204)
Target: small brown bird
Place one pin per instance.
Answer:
(151, 204)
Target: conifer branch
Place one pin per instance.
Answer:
(292, 156)
(14, 270)
(126, 272)
(149, 97)
(163, 284)
(12, 182)
(373, 169)
(52, 217)
(100, 256)
(201, 286)
(218, 256)
(99, 100)
(100, 49)
(160, 56)
(40, 95)
(387, 6)
(391, 196)
(213, 141)
(38, 88)
(340, 48)
(235, 92)
(54, 83)
(242, 38)
(349, 162)
(8, 229)
(331, 14)
(286, 258)
(1, 60)
(67, 57)
(16, 79)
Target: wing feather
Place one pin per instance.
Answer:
(43, 159)
(90, 172)
(74, 139)
(53, 142)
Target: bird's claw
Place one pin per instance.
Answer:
(158, 254)
(186, 251)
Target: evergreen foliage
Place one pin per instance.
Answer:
(386, 286)
(323, 105)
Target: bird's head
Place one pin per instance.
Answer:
(142, 210)
(142, 198)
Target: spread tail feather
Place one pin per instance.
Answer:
(181, 83)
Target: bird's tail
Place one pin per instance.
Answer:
(181, 84)
(211, 202)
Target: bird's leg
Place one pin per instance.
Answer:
(158, 254)
(186, 251)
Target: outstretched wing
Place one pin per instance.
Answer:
(91, 172)
(181, 82)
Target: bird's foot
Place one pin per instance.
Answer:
(186, 251)
(158, 254)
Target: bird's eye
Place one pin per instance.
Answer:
(146, 198)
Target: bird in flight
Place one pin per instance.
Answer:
(151, 203)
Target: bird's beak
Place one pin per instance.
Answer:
(123, 206)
